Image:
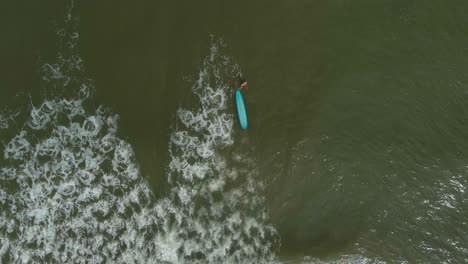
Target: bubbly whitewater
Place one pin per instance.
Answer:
(71, 190)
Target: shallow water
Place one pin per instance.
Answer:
(120, 141)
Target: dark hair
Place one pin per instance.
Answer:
(241, 81)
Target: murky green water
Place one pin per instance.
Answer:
(356, 150)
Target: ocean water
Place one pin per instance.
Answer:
(120, 141)
(72, 190)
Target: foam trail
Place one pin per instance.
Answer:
(213, 213)
(71, 190)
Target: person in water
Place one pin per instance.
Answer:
(242, 83)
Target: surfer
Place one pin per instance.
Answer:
(243, 83)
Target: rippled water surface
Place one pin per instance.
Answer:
(120, 142)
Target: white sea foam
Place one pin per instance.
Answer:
(65, 201)
(71, 190)
(3, 123)
(208, 217)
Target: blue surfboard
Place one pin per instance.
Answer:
(241, 112)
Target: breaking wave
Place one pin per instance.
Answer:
(214, 212)
(71, 190)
